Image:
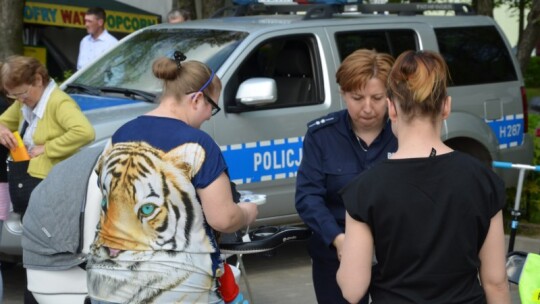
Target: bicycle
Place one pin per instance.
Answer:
(521, 267)
(516, 213)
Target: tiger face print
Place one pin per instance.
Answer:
(149, 202)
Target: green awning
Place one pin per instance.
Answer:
(121, 18)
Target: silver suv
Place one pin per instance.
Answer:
(277, 64)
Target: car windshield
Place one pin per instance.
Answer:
(129, 65)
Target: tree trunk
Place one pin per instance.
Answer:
(530, 36)
(474, 5)
(11, 27)
(211, 6)
(485, 7)
(521, 20)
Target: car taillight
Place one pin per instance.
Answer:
(525, 110)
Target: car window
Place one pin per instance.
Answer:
(129, 65)
(475, 55)
(393, 42)
(292, 61)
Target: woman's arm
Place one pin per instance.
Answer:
(311, 192)
(9, 122)
(78, 130)
(493, 263)
(354, 273)
(221, 212)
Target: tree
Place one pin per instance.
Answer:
(208, 6)
(520, 6)
(187, 5)
(530, 36)
(11, 27)
(521, 21)
(211, 6)
(484, 7)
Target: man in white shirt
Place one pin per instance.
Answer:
(98, 39)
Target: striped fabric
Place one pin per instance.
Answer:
(5, 201)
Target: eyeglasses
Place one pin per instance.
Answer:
(215, 107)
(19, 95)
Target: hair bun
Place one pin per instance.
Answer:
(165, 68)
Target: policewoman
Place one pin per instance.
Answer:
(336, 149)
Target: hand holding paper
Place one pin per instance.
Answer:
(19, 153)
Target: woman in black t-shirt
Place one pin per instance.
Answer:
(431, 215)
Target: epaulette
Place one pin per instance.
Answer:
(321, 122)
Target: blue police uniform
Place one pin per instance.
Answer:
(332, 157)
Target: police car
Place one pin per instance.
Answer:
(277, 61)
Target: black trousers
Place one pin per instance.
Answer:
(325, 265)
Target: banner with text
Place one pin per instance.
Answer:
(73, 16)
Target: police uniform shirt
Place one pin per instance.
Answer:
(332, 157)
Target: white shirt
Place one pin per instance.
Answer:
(91, 48)
(32, 116)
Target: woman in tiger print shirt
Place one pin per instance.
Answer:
(165, 187)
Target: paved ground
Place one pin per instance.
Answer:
(286, 277)
(283, 278)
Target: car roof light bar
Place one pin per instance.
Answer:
(415, 8)
(325, 9)
(309, 11)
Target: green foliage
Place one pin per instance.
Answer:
(533, 181)
(532, 74)
(65, 75)
(532, 92)
(530, 196)
(513, 4)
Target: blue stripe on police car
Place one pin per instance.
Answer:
(263, 160)
(508, 130)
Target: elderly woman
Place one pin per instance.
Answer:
(49, 121)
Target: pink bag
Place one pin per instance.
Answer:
(5, 201)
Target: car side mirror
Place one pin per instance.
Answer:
(257, 91)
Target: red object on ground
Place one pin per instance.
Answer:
(537, 132)
(227, 284)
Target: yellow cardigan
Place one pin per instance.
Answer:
(64, 129)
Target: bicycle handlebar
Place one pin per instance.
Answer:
(507, 165)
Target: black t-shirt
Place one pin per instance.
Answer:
(429, 218)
